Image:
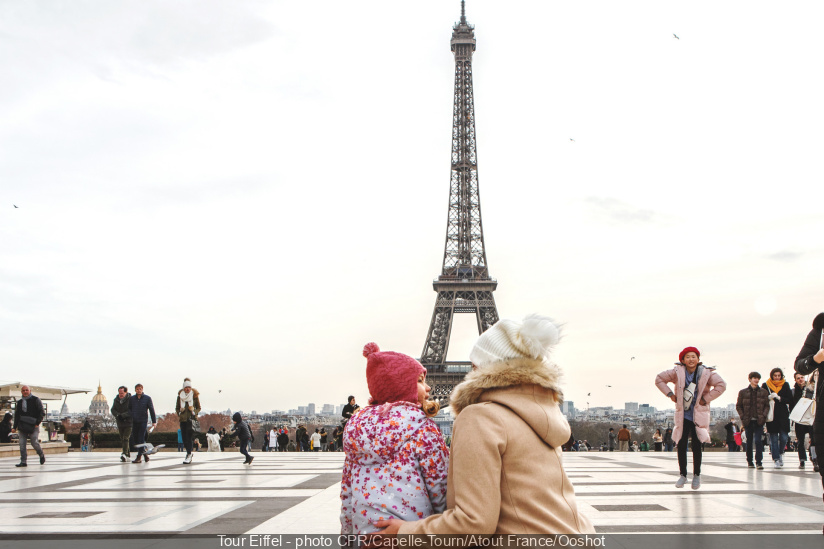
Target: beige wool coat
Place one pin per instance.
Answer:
(506, 472)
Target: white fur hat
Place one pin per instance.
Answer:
(508, 339)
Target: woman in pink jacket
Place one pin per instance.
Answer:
(695, 386)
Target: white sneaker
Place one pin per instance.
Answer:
(777, 464)
(187, 459)
(696, 482)
(682, 480)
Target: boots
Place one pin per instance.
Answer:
(815, 465)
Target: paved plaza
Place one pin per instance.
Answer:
(283, 493)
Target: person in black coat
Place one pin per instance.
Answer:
(122, 414)
(244, 433)
(283, 441)
(5, 428)
(142, 407)
(809, 361)
(779, 428)
(349, 409)
(28, 415)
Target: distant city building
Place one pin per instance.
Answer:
(630, 407)
(310, 410)
(646, 410)
(339, 409)
(328, 409)
(568, 408)
(302, 410)
(99, 405)
(64, 410)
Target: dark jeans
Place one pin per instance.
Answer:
(819, 444)
(125, 430)
(689, 432)
(754, 431)
(188, 434)
(139, 435)
(800, 432)
(244, 448)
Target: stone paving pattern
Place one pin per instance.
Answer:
(297, 493)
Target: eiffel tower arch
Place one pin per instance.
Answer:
(464, 285)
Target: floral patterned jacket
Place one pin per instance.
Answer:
(396, 466)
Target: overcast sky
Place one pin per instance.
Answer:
(246, 193)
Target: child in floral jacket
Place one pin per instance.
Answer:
(396, 458)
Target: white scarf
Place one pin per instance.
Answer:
(186, 399)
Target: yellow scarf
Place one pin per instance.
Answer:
(775, 385)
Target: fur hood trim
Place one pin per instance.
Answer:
(515, 371)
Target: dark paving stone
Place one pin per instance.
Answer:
(633, 507)
(321, 481)
(67, 514)
(248, 516)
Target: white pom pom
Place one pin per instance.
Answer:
(539, 334)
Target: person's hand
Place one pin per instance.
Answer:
(154, 425)
(702, 402)
(778, 398)
(390, 526)
(14, 430)
(672, 398)
(772, 396)
(819, 356)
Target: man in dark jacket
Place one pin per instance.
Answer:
(752, 406)
(122, 413)
(801, 431)
(244, 434)
(731, 429)
(28, 414)
(809, 360)
(141, 408)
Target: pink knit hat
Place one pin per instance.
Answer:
(391, 376)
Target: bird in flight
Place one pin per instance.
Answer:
(609, 385)
(15, 205)
(676, 36)
(572, 140)
(589, 394)
(632, 358)
(220, 390)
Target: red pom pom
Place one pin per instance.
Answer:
(370, 348)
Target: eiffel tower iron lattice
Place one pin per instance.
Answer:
(464, 285)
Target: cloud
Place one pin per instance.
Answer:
(785, 256)
(620, 212)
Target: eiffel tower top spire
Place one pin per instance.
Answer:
(463, 12)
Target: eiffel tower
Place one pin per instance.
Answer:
(464, 285)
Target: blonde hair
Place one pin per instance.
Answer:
(430, 408)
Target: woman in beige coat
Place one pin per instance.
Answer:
(506, 474)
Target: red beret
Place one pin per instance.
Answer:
(688, 350)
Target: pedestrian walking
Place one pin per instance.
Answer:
(752, 407)
(28, 415)
(187, 408)
(141, 407)
(122, 413)
(802, 389)
(244, 434)
(324, 440)
(612, 438)
(696, 386)
(396, 458)
(779, 427)
(506, 472)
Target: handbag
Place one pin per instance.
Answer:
(771, 413)
(804, 411)
(737, 437)
(195, 425)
